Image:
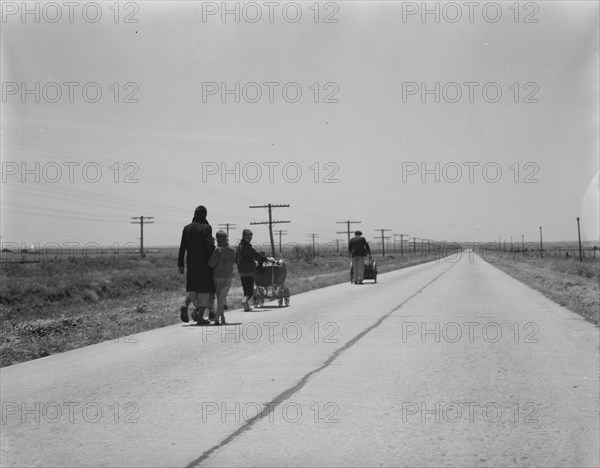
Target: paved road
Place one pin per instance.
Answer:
(442, 364)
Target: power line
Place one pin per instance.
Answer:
(313, 235)
(58, 151)
(142, 220)
(401, 243)
(383, 238)
(348, 223)
(280, 232)
(227, 226)
(56, 213)
(270, 222)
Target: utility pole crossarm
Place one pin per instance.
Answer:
(347, 231)
(270, 222)
(227, 227)
(281, 233)
(383, 237)
(142, 220)
(402, 236)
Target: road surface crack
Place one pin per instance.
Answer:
(286, 394)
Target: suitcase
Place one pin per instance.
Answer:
(370, 270)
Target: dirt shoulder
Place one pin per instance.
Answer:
(570, 283)
(49, 309)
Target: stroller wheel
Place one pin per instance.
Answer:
(259, 296)
(256, 299)
(286, 296)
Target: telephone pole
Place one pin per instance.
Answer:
(383, 238)
(401, 236)
(270, 222)
(280, 232)
(141, 221)
(414, 244)
(347, 223)
(227, 226)
(579, 237)
(395, 235)
(313, 235)
(541, 244)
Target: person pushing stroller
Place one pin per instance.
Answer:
(246, 259)
(359, 248)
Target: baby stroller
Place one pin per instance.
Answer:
(270, 283)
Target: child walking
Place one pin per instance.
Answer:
(222, 260)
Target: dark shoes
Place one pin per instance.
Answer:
(184, 314)
(211, 315)
(220, 320)
(195, 315)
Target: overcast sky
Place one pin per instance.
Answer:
(504, 163)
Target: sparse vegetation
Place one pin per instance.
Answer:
(567, 281)
(54, 306)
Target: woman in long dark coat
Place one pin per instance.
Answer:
(198, 241)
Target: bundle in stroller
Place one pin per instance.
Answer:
(270, 283)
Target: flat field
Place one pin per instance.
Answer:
(566, 280)
(65, 302)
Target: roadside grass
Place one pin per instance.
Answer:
(567, 281)
(64, 304)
